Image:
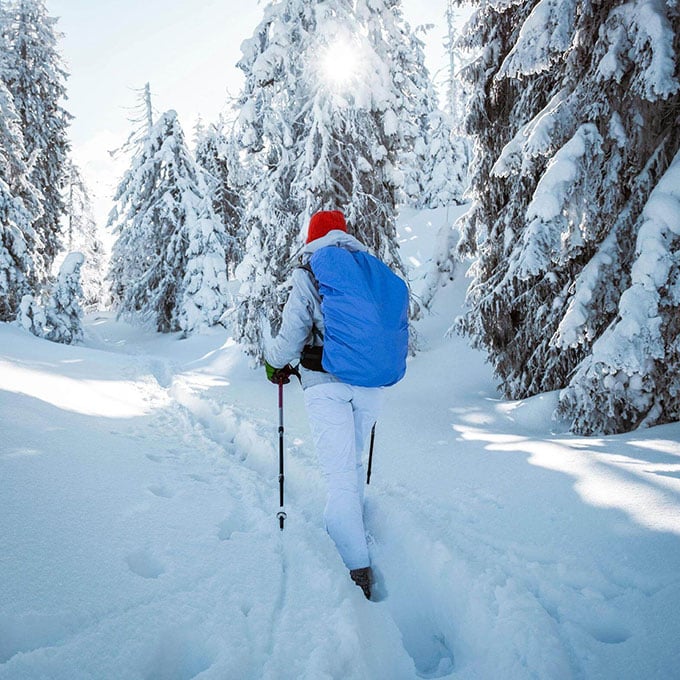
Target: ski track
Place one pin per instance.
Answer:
(249, 440)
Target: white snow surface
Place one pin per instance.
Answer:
(139, 491)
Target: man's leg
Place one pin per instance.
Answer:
(331, 419)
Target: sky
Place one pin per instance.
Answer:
(186, 50)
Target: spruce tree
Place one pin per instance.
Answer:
(575, 120)
(19, 207)
(63, 313)
(458, 91)
(632, 375)
(81, 235)
(444, 168)
(270, 128)
(416, 103)
(60, 319)
(31, 315)
(402, 100)
(168, 264)
(36, 79)
(217, 154)
(447, 166)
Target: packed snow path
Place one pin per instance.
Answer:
(138, 485)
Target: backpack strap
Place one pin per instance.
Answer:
(308, 268)
(312, 354)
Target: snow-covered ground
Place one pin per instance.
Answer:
(138, 532)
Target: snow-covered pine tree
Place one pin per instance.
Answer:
(403, 100)
(632, 375)
(122, 271)
(81, 235)
(444, 167)
(168, 263)
(271, 129)
(447, 166)
(323, 133)
(61, 318)
(19, 207)
(355, 142)
(446, 171)
(575, 119)
(63, 313)
(217, 154)
(416, 99)
(36, 79)
(31, 315)
(203, 241)
(457, 91)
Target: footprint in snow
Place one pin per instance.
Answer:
(144, 564)
(24, 633)
(412, 607)
(161, 491)
(225, 529)
(161, 373)
(607, 632)
(424, 642)
(232, 524)
(172, 454)
(199, 478)
(428, 647)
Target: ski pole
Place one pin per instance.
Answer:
(370, 455)
(281, 514)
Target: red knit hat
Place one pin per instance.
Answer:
(323, 222)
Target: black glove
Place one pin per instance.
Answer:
(279, 375)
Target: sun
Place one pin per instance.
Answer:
(339, 63)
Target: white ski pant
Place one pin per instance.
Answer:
(341, 417)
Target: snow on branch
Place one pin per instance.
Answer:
(60, 320)
(574, 328)
(535, 139)
(640, 37)
(551, 229)
(544, 38)
(616, 387)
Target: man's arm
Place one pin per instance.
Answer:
(296, 323)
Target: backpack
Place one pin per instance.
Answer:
(365, 312)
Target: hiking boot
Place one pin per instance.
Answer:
(363, 578)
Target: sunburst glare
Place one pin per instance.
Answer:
(339, 63)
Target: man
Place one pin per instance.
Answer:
(341, 415)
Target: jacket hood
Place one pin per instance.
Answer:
(336, 237)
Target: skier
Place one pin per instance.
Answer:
(340, 414)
